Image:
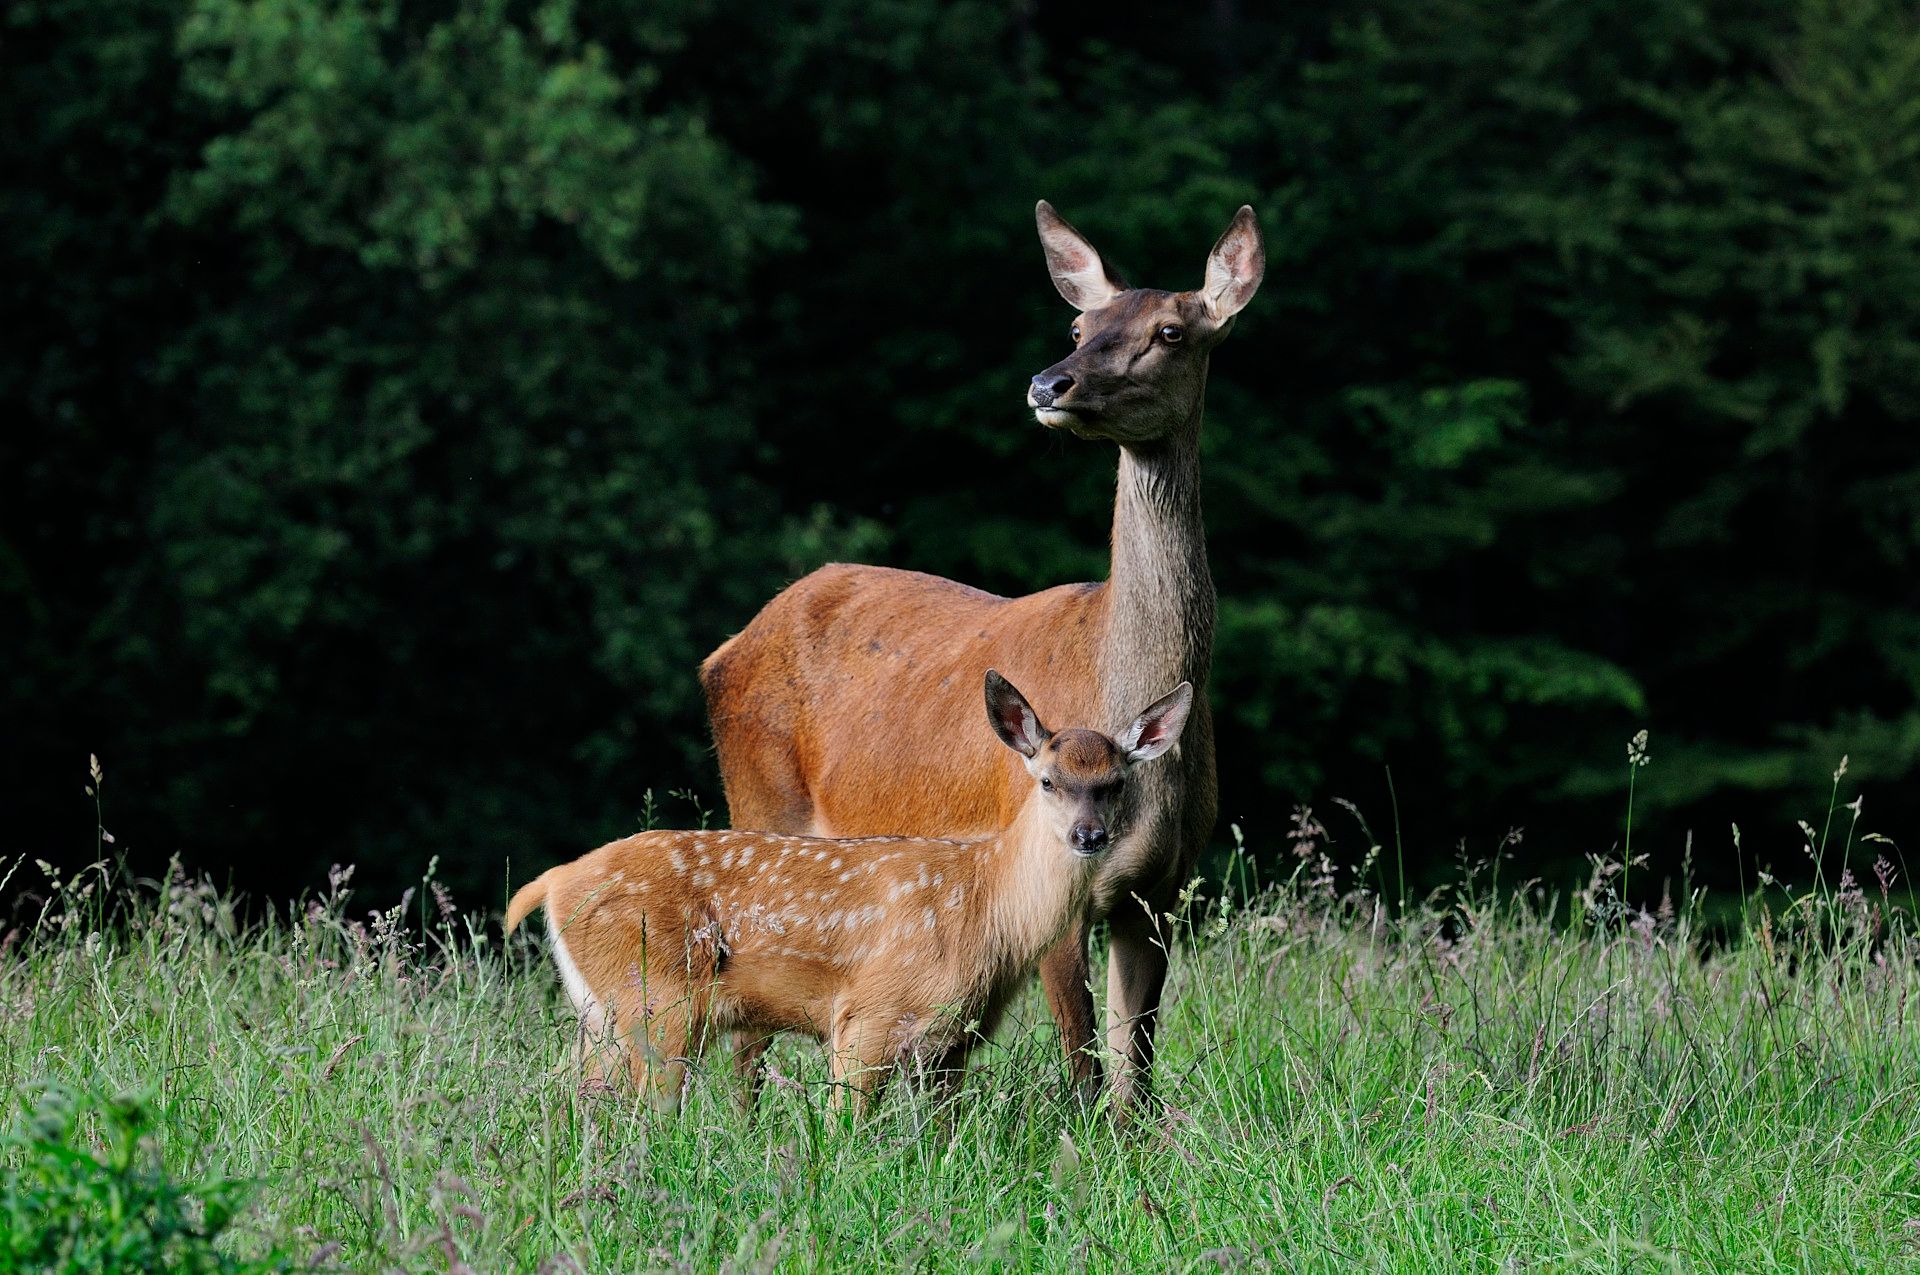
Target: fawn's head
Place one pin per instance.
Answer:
(1082, 774)
(1139, 363)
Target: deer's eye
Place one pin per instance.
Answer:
(1172, 333)
(1046, 785)
(1074, 331)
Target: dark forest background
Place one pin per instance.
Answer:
(402, 396)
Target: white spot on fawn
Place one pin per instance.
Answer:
(678, 860)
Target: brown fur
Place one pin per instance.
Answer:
(863, 636)
(887, 948)
(838, 710)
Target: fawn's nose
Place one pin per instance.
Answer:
(1049, 386)
(1089, 838)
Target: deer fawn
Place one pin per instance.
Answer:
(836, 711)
(890, 948)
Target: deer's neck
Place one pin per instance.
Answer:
(1160, 627)
(1031, 887)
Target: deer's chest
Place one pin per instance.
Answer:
(1154, 855)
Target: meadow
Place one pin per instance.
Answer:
(1491, 1077)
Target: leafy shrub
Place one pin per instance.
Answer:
(83, 1188)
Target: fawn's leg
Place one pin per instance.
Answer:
(659, 1048)
(748, 1052)
(598, 1051)
(1065, 976)
(863, 1055)
(944, 1072)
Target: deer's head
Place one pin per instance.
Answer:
(1139, 361)
(1082, 774)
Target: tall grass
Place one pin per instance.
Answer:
(1492, 1078)
(1474, 1084)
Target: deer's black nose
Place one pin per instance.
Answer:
(1049, 386)
(1089, 837)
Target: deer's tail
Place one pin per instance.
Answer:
(530, 896)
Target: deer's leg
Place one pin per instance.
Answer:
(1136, 974)
(935, 1068)
(935, 1073)
(599, 1051)
(863, 1056)
(659, 1049)
(748, 1051)
(1065, 976)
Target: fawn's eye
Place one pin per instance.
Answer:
(1046, 785)
(1074, 332)
(1171, 333)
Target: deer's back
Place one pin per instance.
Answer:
(850, 705)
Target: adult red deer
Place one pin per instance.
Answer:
(890, 949)
(841, 709)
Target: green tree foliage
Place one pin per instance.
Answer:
(430, 440)
(412, 393)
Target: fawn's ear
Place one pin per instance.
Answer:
(1014, 720)
(1157, 729)
(1235, 267)
(1074, 264)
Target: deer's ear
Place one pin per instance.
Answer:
(1013, 719)
(1158, 729)
(1074, 264)
(1235, 267)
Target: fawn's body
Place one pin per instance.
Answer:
(887, 948)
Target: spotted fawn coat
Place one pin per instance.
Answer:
(887, 948)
